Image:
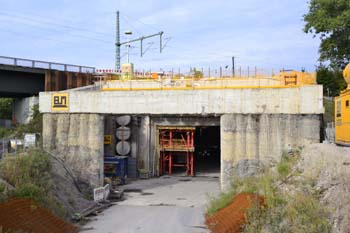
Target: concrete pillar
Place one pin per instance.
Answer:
(143, 156)
(49, 131)
(62, 133)
(251, 136)
(134, 126)
(23, 109)
(110, 129)
(95, 142)
(77, 139)
(229, 136)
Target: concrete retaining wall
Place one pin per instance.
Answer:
(294, 100)
(78, 140)
(262, 137)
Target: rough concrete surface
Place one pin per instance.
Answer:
(78, 140)
(23, 109)
(263, 137)
(165, 204)
(66, 190)
(293, 100)
(330, 166)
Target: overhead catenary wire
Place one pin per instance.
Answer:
(42, 20)
(43, 27)
(145, 24)
(39, 38)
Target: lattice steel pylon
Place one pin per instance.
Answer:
(118, 44)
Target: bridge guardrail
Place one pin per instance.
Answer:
(45, 65)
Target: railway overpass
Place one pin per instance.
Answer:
(21, 77)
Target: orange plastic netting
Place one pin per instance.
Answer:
(232, 218)
(25, 215)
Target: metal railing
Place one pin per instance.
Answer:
(13, 61)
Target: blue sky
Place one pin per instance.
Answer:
(202, 33)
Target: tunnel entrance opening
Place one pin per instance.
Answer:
(207, 150)
(189, 150)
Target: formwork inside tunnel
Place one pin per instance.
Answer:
(143, 143)
(205, 147)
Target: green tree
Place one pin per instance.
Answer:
(6, 108)
(331, 79)
(330, 20)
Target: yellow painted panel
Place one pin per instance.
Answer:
(108, 139)
(60, 102)
(342, 117)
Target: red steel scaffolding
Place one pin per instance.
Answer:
(176, 143)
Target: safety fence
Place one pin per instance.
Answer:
(219, 72)
(22, 62)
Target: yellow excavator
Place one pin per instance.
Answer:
(342, 112)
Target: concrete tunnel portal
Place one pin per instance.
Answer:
(232, 127)
(141, 139)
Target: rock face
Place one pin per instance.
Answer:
(77, 139)
(329, 165)
(262, 137)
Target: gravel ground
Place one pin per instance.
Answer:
(167, 204)
(330, 166)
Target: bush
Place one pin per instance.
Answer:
(29, 190)
(6, 108)
(29, 173)
(32, 166)
(329, 110)
(299, 212)
(34, 126)
(305, 214)
(291, 212)
(283, 170)
(288, 212)
(4, 132)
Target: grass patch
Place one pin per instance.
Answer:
(29, 173)
(295, 211)
(217, 203)
(5, 132)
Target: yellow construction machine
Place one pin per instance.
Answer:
(342, 112)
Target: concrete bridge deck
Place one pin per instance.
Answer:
(25, 77)
(272, 100)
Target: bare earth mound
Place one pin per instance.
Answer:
(24, 215)
(232, 218)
